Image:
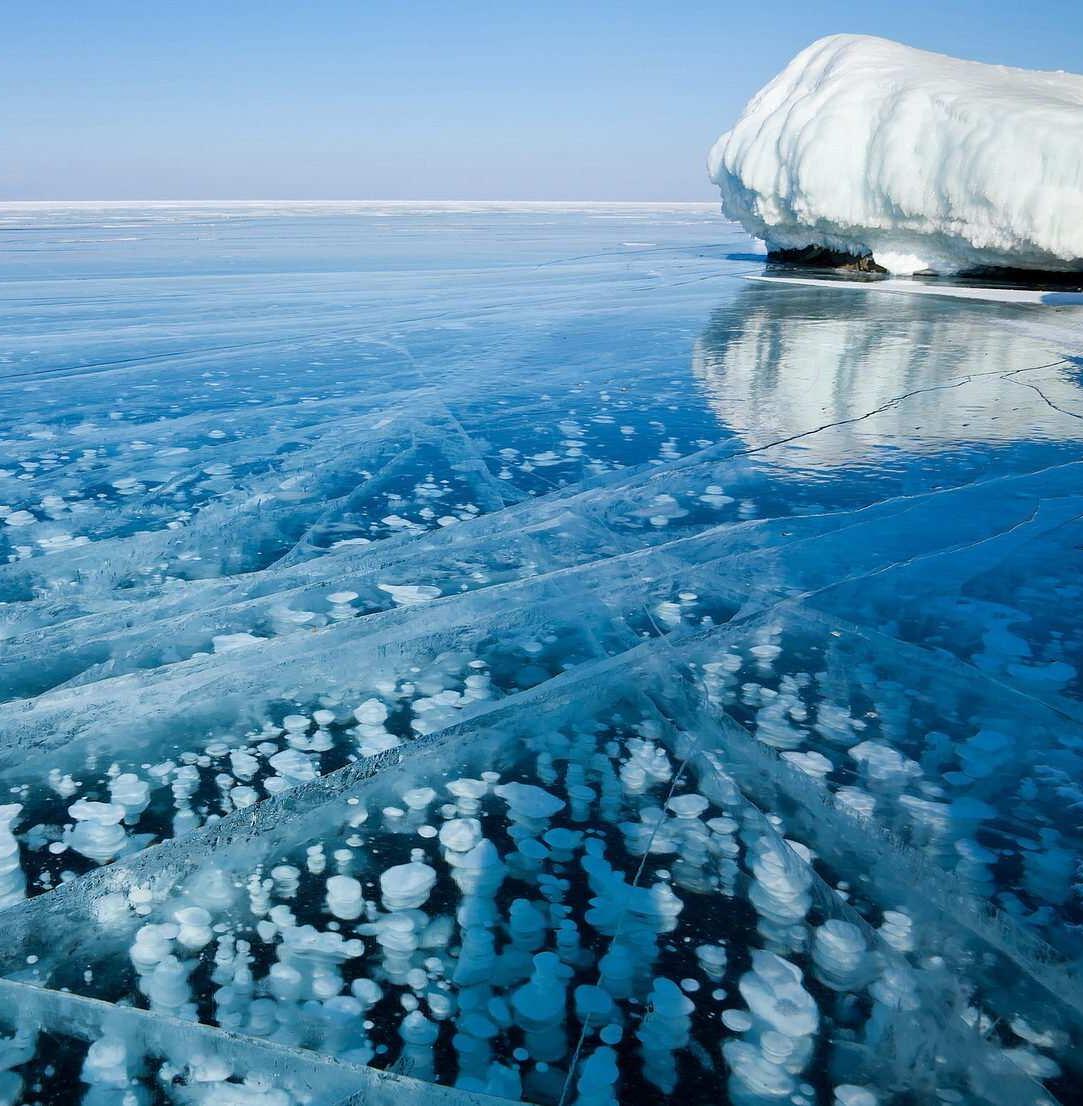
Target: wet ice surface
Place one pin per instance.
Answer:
(508, 652)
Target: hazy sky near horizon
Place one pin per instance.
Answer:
(242, 99)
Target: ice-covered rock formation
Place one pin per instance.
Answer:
(862, 145)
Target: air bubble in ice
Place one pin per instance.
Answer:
(98, 834)
(12, 879)
(406, 886)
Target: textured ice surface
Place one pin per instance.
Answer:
(461, 652)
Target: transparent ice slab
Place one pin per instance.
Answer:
(212, 728)
(55, 1042)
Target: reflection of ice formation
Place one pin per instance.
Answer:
(780, 362)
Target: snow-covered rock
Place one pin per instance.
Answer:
(864, 145)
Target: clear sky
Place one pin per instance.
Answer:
(333, 99)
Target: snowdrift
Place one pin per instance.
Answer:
(862, 145)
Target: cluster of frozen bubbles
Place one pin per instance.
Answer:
(556, 931)
(969, 795)
(112, 815)
(118, 1070)
(587, 918)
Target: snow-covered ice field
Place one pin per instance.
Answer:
(499, 650)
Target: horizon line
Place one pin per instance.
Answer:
(399, 202)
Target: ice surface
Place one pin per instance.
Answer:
(459, 652)
(928, 162)
(624, 913)
(64, 1048)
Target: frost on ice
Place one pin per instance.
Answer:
(862, 145)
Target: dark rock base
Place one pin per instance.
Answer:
(818, 257)
(842, 263)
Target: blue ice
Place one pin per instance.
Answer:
(465, 651)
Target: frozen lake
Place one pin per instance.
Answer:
(509, 648)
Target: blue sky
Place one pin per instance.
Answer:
(343, 100)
